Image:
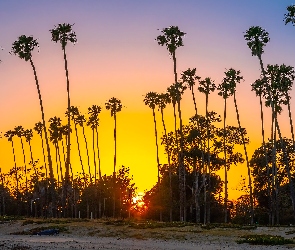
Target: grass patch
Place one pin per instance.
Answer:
(265, 239)
(228, 225)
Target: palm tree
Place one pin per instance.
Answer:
(9, 135)
(151, 100)
(115, 106)
(55, 137)
(172, 38)
(74, 112)
(23, 47)
(176, 91)
(232, 77)
(19, 132)
(63, 33)
(28, 134)
(290, 16)
(257, 86)
(207, 86)
(93, 122)
(225, 91)
(189, 77)
(39, 129)
(162, 100)
(80, 119)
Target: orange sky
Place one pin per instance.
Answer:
(116, 55)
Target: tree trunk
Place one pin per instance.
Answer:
(158, 162)
(169, 165)
(247, 161)
(225, 164)
(52, 184)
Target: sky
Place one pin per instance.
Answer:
(117, 56)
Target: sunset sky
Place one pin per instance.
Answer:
(117, 56)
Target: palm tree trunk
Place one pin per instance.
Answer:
(16, 178)
(115, 162)
(182, 168)
(98, 155)
(209, 160)
(88, 158)
(52, 185)
(247, 161)
(80, 156)
(225, 164)
(170, 170)
(181, 158)
(67, 165)
(266, 159)
(25, 165)
(158, 162)
(94, 155)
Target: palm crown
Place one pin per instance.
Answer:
(229, 82)
(63, 33)
(206, 86)
(256, 38)
(151, 99)
(172, 38)
(114, 105)
(189, 76)
(290, 16)
(24, 46)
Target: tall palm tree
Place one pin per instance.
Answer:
(55, 137)
(23, 47)
(19, 132)
(172, 38)
(207, 86)
(80, 119)
(28, 134)
(225, 91)
(63, 33)
(162, 100)
(232, 77)
(257, 86)
(151, 100)
(93, 122)
(9, 135)
(115, 106)
(176, 91)
(39, 129)
(74, 112)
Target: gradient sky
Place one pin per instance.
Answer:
(117, 55)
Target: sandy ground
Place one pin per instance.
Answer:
(97, 235)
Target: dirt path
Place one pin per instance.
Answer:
(97, 235)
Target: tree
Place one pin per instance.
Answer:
(162, 101)
(24, 47)
(115, 106)
(172, 38)
(74, 112)
(290, 16)
(225, 90)
(207, 86)
(63, 33)
(232, 78)
(93, 122)
(9, 135)
(151, 100)
(80, 119)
